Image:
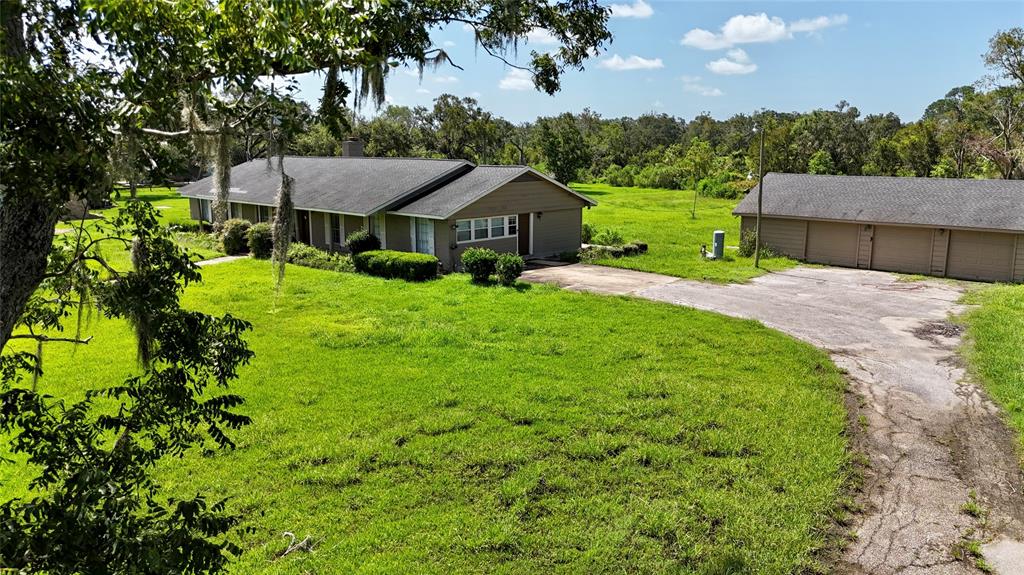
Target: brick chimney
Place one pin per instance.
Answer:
(352, 148)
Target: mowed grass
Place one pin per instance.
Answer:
(662, 219)
(995, 348)
(444, 427)
(172, 208)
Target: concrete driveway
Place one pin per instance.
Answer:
(932, 439)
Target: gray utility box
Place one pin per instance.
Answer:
(718, 245)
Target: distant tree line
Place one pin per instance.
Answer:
(974, 131)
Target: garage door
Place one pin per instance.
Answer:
(980, 256)
(832, 243)
(899, 249)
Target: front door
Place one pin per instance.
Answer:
(524, 234)
(302, 225)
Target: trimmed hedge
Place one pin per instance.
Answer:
(261, 240)
(480, 263)
(408, 266)
(509, 268)
(361, 241)
(234, 236)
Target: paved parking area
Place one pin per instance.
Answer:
(931, 437)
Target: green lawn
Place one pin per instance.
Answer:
(449, 428)
(173, 209)
(995, 348)
(662, 219)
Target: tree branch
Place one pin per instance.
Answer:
(36, 337)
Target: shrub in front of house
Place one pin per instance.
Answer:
(361, 241)
(480, 263)
(305, 255)
(588, 232)
(261, 240)
(234, 236)
(608, 237)
(509, 267)
(408, 266)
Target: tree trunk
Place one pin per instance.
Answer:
(26, 234)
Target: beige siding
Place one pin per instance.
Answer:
(318, 235)
(555, 232)
(519, 197)
(353, 223)
(194, 210)
(784, 236)
(902, 249)
(1018, 266)
(940, 244)
(833, 243)
(443, 245)
(397, 230)
(986, 256)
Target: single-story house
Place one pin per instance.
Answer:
(966, 229)
(438, 207)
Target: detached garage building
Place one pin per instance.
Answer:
(966, 229)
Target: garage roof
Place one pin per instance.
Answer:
(463, 191)
(356, 185)
(936, 202)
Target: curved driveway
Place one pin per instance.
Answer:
(932, 439)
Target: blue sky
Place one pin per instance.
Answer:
(683, 58)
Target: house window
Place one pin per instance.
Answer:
(205, 210)
(377, 228)
(337, 234)
(263, 213)
(486, 228)
(422, 235)
(234, 210)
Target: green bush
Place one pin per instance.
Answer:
(728, 185)
(480, 263)
(233, 236)
(508, 268)
(261, 240)
(408, 266)
(361, 241)
(608, 237)
(619, 176)
(304, 255)
(588, 232)
(748, 242)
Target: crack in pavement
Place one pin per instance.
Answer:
(932, 438)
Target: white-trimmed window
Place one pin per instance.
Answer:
(337, 232)
(378, 228)
(422, 232)
(205, 210)
(263, 214)
(478, 229)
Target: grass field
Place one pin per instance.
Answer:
(662, 219)
(447, 427)
(173, 209)
(995, 348)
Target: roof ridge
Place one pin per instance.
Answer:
(886, 177)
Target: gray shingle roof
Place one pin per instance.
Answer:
(358, 186)
(949, 203)
(462, 191)
(466, 189)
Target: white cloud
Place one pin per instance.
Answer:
(811, 25)
(638, 9)
(619, 64)
(422, 91)
(448, 44)
(693, 85)
(517, 80)
(445, 79)
(735, 62)
(540, 36)
(757, 28)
